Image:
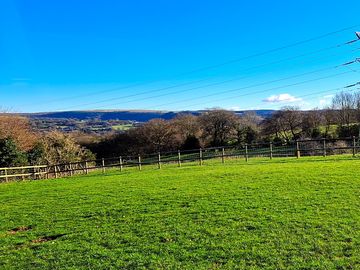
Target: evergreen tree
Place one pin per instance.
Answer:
(10, 154)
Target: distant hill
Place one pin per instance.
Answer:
(137, 116)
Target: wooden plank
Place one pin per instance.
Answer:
(22, 174)
(25, 167)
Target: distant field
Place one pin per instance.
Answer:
(122, 127)
(280, 214)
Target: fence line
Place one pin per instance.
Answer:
(299, 148)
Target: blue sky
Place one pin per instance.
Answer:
(74, 55)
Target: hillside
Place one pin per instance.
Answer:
(298, 214)
(137, 116)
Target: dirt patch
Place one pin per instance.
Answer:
(20, 229)
(166, 240)
(47, 238)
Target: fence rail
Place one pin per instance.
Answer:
(320, 147)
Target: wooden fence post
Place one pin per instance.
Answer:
(159, 160)
(200, 157)
(223, 155)
(103, 165)
(324, 147)
(246, 153)
(86, 167)
(6, 175)
(354, 146)
(71, 169)
(121, 163)
(179, 158)
(55, 171)
(271, 150)
(139, 162)
(297, 149)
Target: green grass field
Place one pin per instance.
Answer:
(122, 127)
(293, 214)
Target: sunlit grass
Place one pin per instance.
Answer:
(275, 214)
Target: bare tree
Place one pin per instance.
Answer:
(343, 103)
(247, 127)
(156, 135)
(19, 129)
(271, 126)
(284, 124)
(310, 123)
(328, 119)
(290, 121)
(218, 126)
(186, 125)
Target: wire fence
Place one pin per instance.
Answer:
(298, 149)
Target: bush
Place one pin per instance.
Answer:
(190, 143)
(58, 148)
(36, 155)
(348, 131)
(10, 154)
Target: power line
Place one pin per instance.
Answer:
(317, 93)
(199, 87)
(214, 66)
(257, 85)
(230, 80)
(282, 48)
(271, 89)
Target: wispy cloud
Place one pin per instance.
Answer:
(235, 108)
(281, 98)
(325, 100)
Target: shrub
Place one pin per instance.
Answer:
(348, 131)
(58, 148)
(10, 154)
(190, 143)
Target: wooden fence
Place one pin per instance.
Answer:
(320, 147)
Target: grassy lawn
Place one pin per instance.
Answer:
(298, 214)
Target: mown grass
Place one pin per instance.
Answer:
(280, 214)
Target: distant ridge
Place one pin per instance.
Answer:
(127, 115)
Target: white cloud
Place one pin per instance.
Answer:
(325, 100)
(281, 98)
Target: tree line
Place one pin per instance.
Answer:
(219, 127)
(21, 145)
